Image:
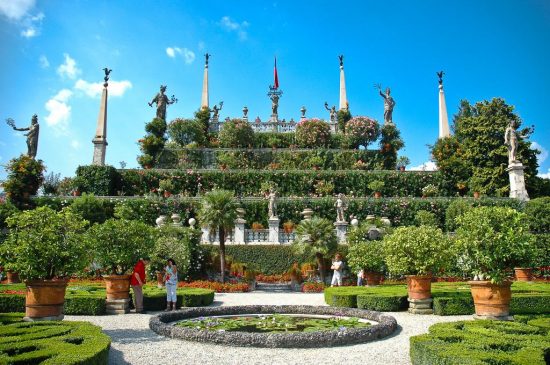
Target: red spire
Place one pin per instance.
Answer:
(276, 82)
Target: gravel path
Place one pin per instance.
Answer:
(134, 343)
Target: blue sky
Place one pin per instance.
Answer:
(53, 53)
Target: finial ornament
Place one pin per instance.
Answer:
(440, 76)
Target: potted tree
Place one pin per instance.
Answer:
(490, 241)
(45, 247)
(376, 186)
(429, 190)
(477, 187)
(402, 162)
(369, 257)
(417, 252)
(288, 226)
(117, 245)
(167, 187)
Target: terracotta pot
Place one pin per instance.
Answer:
(524, 273)
(160, 279)
(377, 194)
(13, 277)
(419, 286)
(167, 194)
(401, 168)
(45, 299)
(76, 193)
(491, 300)
(373, 278)
(476, 194)
(117, 286)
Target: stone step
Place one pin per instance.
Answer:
(273, 287)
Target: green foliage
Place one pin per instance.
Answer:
(144, 210)
(390, 144)
(92, 209)
(202, 117)
(311, 133)
(153, 143)
(361, 131)
(25, 175)
(430, 190)
(492, 239)
(480, 342)
(7, 209)
(236, 133)
(477, 149)
(186, 131)
(85, 305)
(53, 342)
(383, 303)
(538, 213)
(51, 182)
(368, 256)
(44, 244)
(376, 186)
(154, 299)
(456, 209)
(425, 218)
(98, 180)
(274, 140)
(402, 161)
(119, 244)
(343, 116)
(416, 250)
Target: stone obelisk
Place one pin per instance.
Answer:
(100, 139)
(443, 118)
(343, 97)
(204, 99)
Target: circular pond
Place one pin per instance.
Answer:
(274, 326)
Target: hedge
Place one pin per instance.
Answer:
(481, 342)
(269, 259)
(154, 299)
(383, 303)
(98, 180)
(52, 342)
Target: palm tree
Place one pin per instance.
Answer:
(218, 212)
(316, 238)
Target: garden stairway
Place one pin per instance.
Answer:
(273, 287)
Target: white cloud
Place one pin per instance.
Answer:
(543, 155)
(201, 46)
(232, 26)
(94, 89)
(29, 32)
(187, 54)
(545, 175)
(75, 144)
(16, 9)
(426, 166)
(59, 110)
(68, 68)
(44, 63)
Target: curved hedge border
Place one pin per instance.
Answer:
(155, 299)
(57, 342)
(161, 324)
(481, 342)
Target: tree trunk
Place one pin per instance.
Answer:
(221, 234)
(321, 264)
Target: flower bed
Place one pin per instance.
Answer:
(53, 342)
(283, 278)
(216, 286)
(313, 287)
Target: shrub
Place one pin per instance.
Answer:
(390, 144)
(54, 342)
(360, 131)
(119, 244)
(7, 209)
(376, 186)
(44, 244)
(92, 209)
(312, 133)
(154, 299)
(493, 239)
(368, 256)
(430, 190)
(51, 183)
(186, 131)
(25, 175)
(98, 180)
(416, 250)
(143, 210)
(455, 209)
(310, 287)
(153, 143)
(383, 303)
(479, 342)
(425, 218)
(236, 133)
(538, 213)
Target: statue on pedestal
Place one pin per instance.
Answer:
(216, 110)
(332, 112)
(162, 102)
(389, 103)
(274, 104)
(106, 78)
(272, 206)
(341, 207)
(440, 76)
(206, 57)
(32, 136)
(341, 58)
(511, 140)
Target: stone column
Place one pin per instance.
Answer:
(274, 230)
(343, 96)
(517, 181)
(443, 119)
(204, 99)
(341, 231)
(100, 139)
(239, 235)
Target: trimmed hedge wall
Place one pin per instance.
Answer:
(383, 303)
(481, 342)
(154, 299)
(55, 342)
(98, 180)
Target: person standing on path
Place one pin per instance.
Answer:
(338, 267)
(171, 282)
(137, 280)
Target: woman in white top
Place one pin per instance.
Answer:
(337, 266)
(171, 281)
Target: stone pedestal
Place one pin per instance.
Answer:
(307, 213)
(517, 181)
(205, 235)
(421, 306)
(341, 231)
(274, 230)
(238, 237)
(117, 306)
(176, 220)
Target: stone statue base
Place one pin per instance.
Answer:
(341, 231)
(517, 181)
(239, 235)
(274, 230)
(100, 147)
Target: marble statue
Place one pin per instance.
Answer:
(32, 135)
(341, 206)
(389, 103)
(511, 140)
(272, 206)
(440, 76)
(216, 110)
(162, 102)
(332, 111)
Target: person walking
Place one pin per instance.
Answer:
(137, 280)
(171, 283)
(360, 277)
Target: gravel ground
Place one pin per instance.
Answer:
(134, 343)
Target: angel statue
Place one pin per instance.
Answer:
(162, 101)
(341, 206)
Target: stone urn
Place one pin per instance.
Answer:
(386, 221)
(176, 219)
(491, 301)
(161, 220)
(307, 213)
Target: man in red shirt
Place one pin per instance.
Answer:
(136, 281)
